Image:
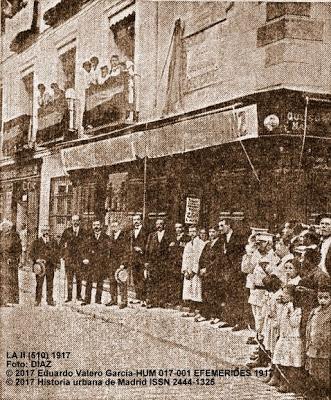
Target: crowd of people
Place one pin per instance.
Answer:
(96, 75)
(109, 91)
(277, 284)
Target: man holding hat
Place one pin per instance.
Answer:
(45, 252)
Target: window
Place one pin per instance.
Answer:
(61, 202)
(122, 37)
(116, 198)
(27, 95)
(67, 69)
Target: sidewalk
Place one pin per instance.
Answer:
(166, 324)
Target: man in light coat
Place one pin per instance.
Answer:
(192, 284)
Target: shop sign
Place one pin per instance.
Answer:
(292, 121)
(19, 172)
(192, 212)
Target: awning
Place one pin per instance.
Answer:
(180, 137)
(97, 154)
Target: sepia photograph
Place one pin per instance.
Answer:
(165, 200)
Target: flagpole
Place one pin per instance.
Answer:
(304, 132)
(145, 187)
(244, 148)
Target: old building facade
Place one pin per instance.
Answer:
(209, 108)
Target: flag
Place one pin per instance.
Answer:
(176, 71)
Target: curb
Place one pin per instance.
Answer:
(166, 325)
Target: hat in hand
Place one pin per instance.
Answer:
(39, 267)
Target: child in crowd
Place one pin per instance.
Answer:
(104, 74)
(288, 351)
(292, 269)
(318, 341)
(270, 331)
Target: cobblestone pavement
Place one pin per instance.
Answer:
(97, 345)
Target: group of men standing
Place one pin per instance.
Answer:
(166, 268)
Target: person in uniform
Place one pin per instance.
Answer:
(176, 249)
(10, 252)
(45, 248)
(117, 258)
(72, 246)
(157, 257)
(96, 259)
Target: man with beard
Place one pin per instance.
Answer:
(157, 256)
(45, 248)
(234, 279)
(136, 245)
(72, 245)
(176, 248)
(96, 261)
(10, 251)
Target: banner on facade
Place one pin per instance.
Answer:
(192, 212)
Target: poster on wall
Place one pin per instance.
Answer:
(192, 211)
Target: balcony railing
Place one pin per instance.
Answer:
(16, 135)
(112, 102)
(56, 121)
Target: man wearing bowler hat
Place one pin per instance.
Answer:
(46, 249)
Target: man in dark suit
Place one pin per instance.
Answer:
(210, 269)
(157, 265)
(233, 278)
(136, 246)
(96, 260)
(47, 249)
(72, 246)
(175, 279)
(117, 258)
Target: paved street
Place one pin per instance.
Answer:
(99, 346)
